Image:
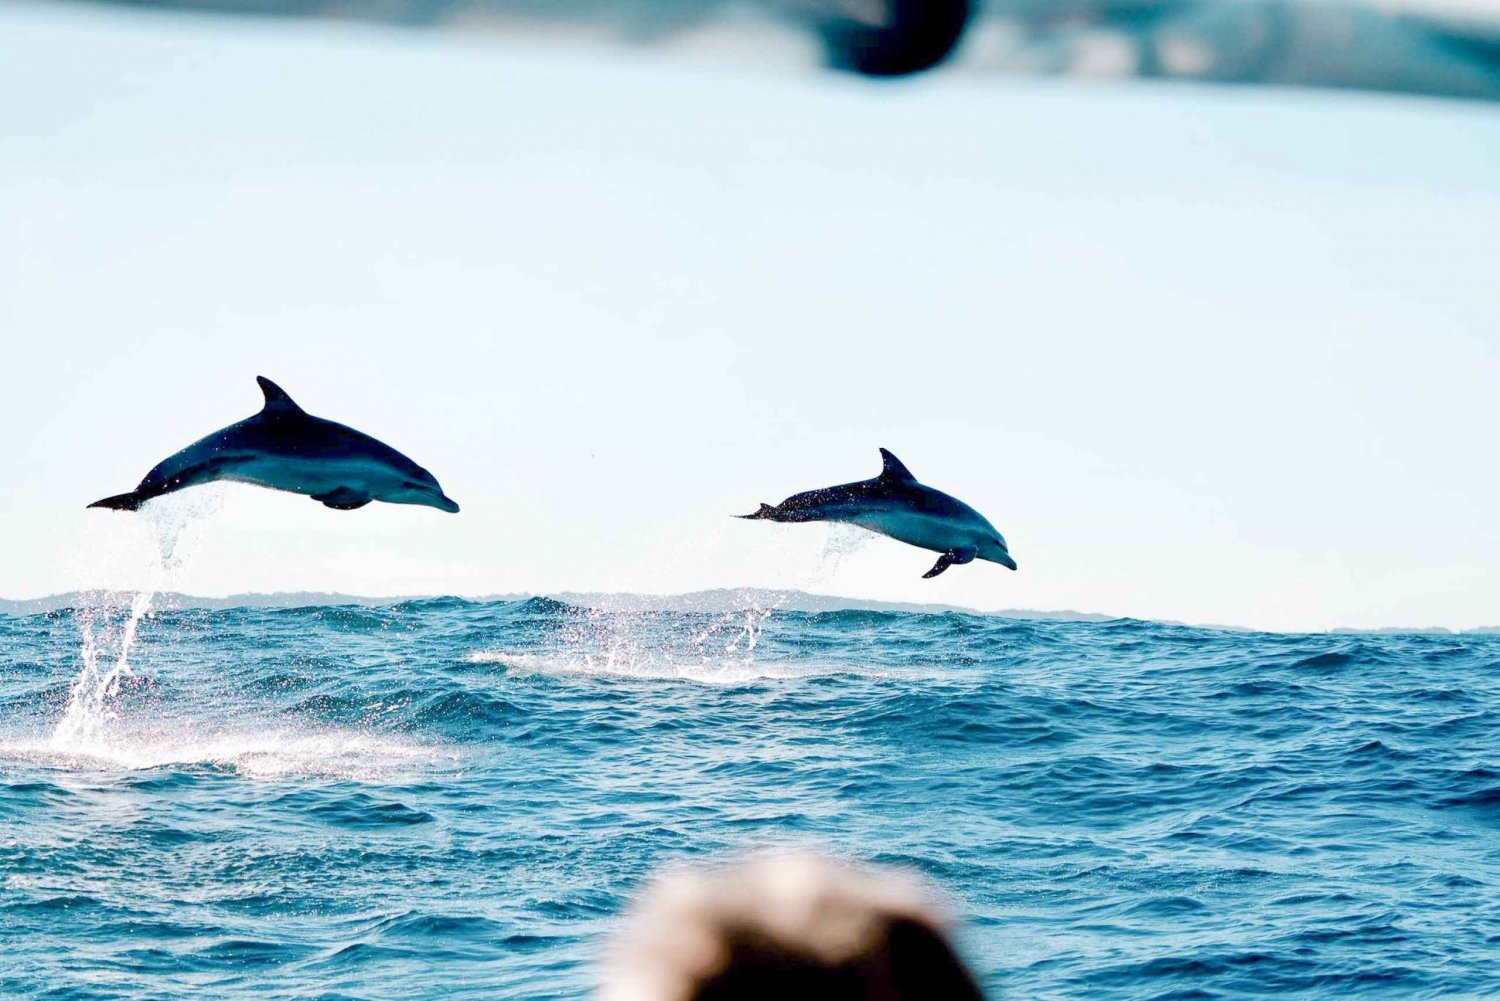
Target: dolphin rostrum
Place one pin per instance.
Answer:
(285, 448)
(895, 504)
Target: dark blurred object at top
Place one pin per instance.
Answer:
(889, 37)
(1448, 48)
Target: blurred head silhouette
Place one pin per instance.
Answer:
(780, 927)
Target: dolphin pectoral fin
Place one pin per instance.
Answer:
(343, 499)
(943, 563)
(950, 558)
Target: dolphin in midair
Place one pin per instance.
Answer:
(895, 504)
(285, 448)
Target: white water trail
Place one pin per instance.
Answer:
(92, 695)
(106, 639)
(841, 542)
(644, 643)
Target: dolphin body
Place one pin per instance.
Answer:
(895, 504)
(285, 448)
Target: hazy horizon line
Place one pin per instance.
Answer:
(789, 599)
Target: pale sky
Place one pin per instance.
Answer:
(1212, 355)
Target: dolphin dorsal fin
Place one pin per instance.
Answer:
(276, 399)
(894, 468)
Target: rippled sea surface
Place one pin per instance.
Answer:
(454, 799)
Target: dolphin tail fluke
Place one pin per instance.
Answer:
(766, 511)
(123, 502)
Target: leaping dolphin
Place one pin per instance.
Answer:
(285, 448)
(895, 504)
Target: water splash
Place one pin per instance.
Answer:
(715, 648)
(92, 697)
(626, 643)
(841, 542)
(108, 637)
(747, 635)
(174, 521)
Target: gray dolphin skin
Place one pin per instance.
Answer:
(285, 448)
(895, 504)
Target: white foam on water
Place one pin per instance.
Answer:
(655, 667)
(631, 644)
(265, 753)
(624, 645)
(642, 666)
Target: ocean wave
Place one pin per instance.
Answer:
(543, 607)
(412, 799)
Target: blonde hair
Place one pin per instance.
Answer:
(795, 924)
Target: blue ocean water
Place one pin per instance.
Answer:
(444, 798)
